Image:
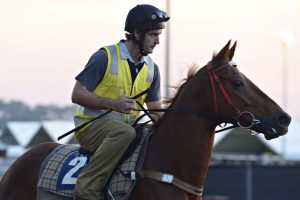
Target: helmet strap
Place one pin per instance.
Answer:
(140, 43)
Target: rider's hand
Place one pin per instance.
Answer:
(124, 104)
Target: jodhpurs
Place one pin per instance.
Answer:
(108, 139)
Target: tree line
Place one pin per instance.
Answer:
(20, 111)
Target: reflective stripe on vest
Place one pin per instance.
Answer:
(114, 59)
(150, 69)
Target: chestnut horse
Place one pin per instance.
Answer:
(183, 138)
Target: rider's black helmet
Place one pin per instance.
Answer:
(145, 17)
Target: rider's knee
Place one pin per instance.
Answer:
(129, 134)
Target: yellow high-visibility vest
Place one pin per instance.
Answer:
(117, 82)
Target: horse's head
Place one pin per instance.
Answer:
(234, 94)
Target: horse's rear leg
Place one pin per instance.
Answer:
(20, 180)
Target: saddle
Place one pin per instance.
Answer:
(63, 165)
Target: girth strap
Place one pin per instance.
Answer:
(171, 179)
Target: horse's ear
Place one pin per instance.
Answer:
(231, 51)
(223, 54)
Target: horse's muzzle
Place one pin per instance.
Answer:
(274, 127)
(280, 126)
(283, 121)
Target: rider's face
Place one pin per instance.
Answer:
(151, 40)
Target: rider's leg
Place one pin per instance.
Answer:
(109, 140)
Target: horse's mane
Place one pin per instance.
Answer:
(191, 72)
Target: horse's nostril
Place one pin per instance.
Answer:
(283, 120)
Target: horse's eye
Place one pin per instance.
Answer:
(238, 83)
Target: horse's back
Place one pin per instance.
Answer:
(20, 180)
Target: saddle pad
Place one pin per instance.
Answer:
(55, 178)
(61, 169)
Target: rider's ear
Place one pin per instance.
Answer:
(231, 51)
(137, 34)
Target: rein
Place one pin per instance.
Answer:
(214, 80)
(235, 120)
(101, 115)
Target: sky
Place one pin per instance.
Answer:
(44, 44)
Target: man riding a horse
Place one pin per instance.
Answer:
(176, 158)
(112, 76)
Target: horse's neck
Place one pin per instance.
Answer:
(182, 146)
(182, 143)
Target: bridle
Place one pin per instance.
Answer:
(236, 120)
(214, 80)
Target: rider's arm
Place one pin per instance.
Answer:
(82, 96)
